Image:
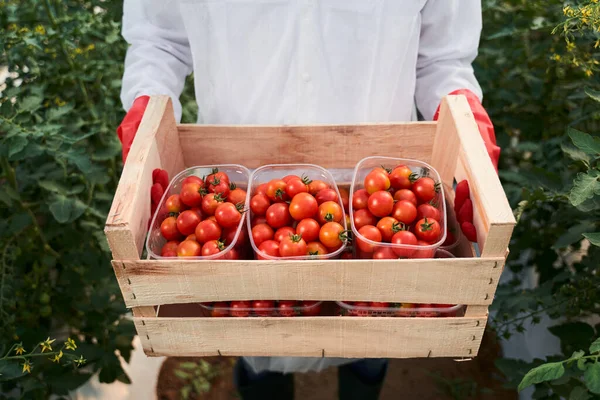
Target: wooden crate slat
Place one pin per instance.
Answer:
(438, 281)
(330, 146)
(347, 337)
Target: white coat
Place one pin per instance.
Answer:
(302, 62)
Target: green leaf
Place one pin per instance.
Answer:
(52, 186)
(572, 235)
(575, 153)
(30, 103)
(592, 94)
(188, 365)
(185, 392)
(543, 373)
(65, 209)
(590, 205)
(579, 393)
(16, 144)
(56, 113)
(181, 374)
(586, 142)
(591, 377)
(585, 187)
(581, 364)
(9, 369)
(577, 355)
(594, 238)
(595, 346)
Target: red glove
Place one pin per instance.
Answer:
(129, 126)
(463, 206)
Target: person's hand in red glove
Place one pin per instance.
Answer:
(126, 133)
(463, 206)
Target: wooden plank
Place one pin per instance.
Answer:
(493, 216)
(446, 145)
(476, 311)
(330, 146)
(347, 337)
(442, 281)
(127, 221)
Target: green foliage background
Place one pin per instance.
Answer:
(60, 162)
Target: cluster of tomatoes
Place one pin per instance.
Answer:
(398, 207)
(297, 217)
(204, 217)
(371, 309)
(264, 308)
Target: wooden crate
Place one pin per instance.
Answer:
(452, 145)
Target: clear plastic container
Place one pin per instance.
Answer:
(277, 171)
(282, 308)
(238, 174)
(361, 170)
(364, 309)
(452, 227)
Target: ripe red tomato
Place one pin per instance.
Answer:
(268, 247)
(237, 196)
(233, 254)
(425, 189)
(174, 204)
(405, 194)
(363, 217)
(428, 229)
(376, 180)
(210, 202)
(191, 237)
(261, 189)
(316, 249)
(261, 232)
(207, 230)
(191, 194)
(240, 308)
(228, 235)
(310, 308)
(278, 215)
(371, 233)
(216, 175)
(316, 186)
(405, 212)
(406, 310)
(330, 211)
(258, 220)
(212, 247)
(309, 229)
(189, 248)
(295, 186)
(359, 309)
(198, 211)
(192, 178)
(169, 249)
(263, 308)
(376, 304)
(168, 228)
(259, 204)
(220, 309)
(388, 226)
(276, 190)
(406, 238)
(381, 203)
(384, 253)
(423, 253)
(303, 205)
(345, 196)
(360, 199)
(400, 177)
(286, 308)
(428, 211)
(284, 232)
(332, 235)
(292, 246)
(287, 178)
(187, 222)
(326, 195)
(227, 215)
(219, 186)
(347, 255)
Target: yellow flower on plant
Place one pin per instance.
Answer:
(566, 9)
(80, 361)
(26, 366)
(57, 357)
(90, 47)
(78, 51)
(46, 344)
(570, 46)
(40, 29)
(19, 350)
(597, 44)
(588, 72)
(556, 57)
(70, 344)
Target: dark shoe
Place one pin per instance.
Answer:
(353, 386)
(263, 386)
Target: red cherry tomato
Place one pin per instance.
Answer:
(169, 249)
(174, 204)
(187, 222)
(189, 248)
(212, 247)
(381, 203)
(276, 190)
(371, 233)
(210, 202)
(278, 215)
(345, 196)
(282, 233)
(332, 235)
(330, 211)
(237, 196)
(228, 215)
(309, 229)
(194, 179)
(303, 205)
(326, 195)
(287, 178)
(423, 253)
(263, 308)
(258, 220)
(425, 189)
(191, 194)
(232, 254)
(292, 246)
(375, 304)
(268, 247)
(228, 234)
(363, 217)
(311, 308)
(405, 212)
(168, 228)
(259, 204)
(316, 249)
(240, 308)
(191, 237)
(405, 238)
(359, 309)
(428, 229)
(286, 308)
(384, 253)
(360, 200)
(400, 177)
(376, 180)
(388, 226)
(347, 255)
(428, 211)
(261, 189)
(316, 186)
(220, 186)
(405, 194)
(220, 309)
(295, 186)
(261, 232)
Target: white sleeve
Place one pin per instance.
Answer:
(450, 32)
(158, 58)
